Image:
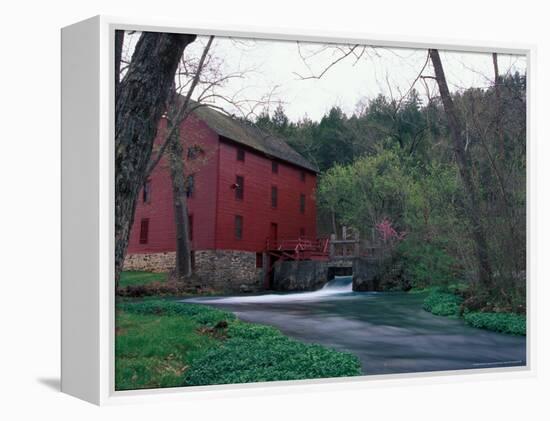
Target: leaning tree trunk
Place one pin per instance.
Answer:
(464, 165)
(179, 193)
(140, 102)
(119, 42)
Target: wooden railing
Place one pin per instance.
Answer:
(324, 248)
(299, 248)
(301, 243)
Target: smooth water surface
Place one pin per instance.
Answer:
(389, 332)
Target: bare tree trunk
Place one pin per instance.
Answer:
(464, 165)
(499, 165)
(119, 41)
(179, 192)
(178, 111)
(140, 102)
(181, 112)
(333, 220)
(498, 114)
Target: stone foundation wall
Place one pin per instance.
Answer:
(151, 262)
(379, 274)
(304, 275)
(229, 270)
(220, 270)
(366, 274)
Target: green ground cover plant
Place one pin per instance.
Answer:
(162, 343)
(254, 353)
(511, 323)
(443, 303)
(447, 304)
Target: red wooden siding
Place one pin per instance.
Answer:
(255, 208)
(202, 204)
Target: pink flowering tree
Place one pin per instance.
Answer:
(389, 235)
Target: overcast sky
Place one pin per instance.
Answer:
(278, 67)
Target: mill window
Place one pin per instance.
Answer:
(144, 231)
(238, 227)
(147, 192)
(240, 154)
(274, 196)
(194, 152)
(239, 187)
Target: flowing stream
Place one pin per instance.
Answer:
(388, 331)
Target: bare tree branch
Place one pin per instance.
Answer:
(327, 68)
(182, 110)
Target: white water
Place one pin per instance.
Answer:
(338, 286)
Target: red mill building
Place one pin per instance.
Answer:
(248, 191)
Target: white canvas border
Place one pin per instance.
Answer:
(105, 214)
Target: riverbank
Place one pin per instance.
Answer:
(390, 332)
(138, 284)
(162, 343)
(147, 285)
(448, 304)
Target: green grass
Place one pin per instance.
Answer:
(443, 303)
(514, 324)
(134, 278)
(154, 351)
(162, 343)
(201, 315)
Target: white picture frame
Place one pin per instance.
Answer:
(88, 212)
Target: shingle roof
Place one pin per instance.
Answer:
(251, 136)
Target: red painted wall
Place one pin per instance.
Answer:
(202, 205)
(214, 205)
(256, 208)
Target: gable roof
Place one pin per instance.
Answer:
(253, 137)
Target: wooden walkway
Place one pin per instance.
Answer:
(325, 249)
(298, 249)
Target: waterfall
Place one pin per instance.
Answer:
(339, 286)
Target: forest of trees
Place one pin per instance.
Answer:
(395, 161)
